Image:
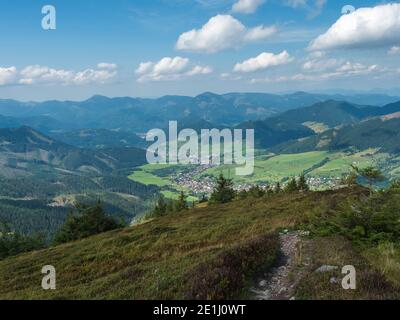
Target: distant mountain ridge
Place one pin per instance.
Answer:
(381, 133)
(99, 138)
(295, 124)
(139, 115)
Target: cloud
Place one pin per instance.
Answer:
(39, 74)
(320, 65)
(334, 67)
(222, 32)
(364, 28)
(347, 69)
(109, 66)
(36, 74)
(344, 70)
(93, 76)
(247, 6)
(351, 68)
(394, 50)
(7, 75)
(263, 61)
(199, 70)
(296, 3)
(314, 7)
(168, 69)
(226, 76)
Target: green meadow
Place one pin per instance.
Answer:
(269, 168)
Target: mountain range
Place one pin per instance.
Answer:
(321, 126)
(138, 115)
(382, 133)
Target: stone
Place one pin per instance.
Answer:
(263, 283)
(326, 268)
(333, 280)
(282, 290)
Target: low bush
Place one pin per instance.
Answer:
(226, 275)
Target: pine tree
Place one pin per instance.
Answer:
(85, 222)
(371, 174)
(182, 202)
(278, 188)
(302, 184)
(350, 180)
(223, 192)
(161, 207)
(292, 186)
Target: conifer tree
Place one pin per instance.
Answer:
(182, 202)
(292, 186)
(302, 184)
(223, 191)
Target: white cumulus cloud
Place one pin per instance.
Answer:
(7, 75)
(344, 69)
(320, 65)
(394, 50)
(222, 32)
(314, 7)
(106, 65)
(263, 61)
(44, 75)
(247, 6)
(168, 69)
(364, 28)
(36, 74)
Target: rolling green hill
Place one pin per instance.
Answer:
(41, 179)
(25, 151)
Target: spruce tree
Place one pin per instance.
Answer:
(292, 186)
(86, 221)
(223, 192)
(302, 184)
(182, 202)
(161, 207)
(278, 188)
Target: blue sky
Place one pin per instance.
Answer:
(156, 47)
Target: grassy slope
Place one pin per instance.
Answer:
(159, 175)
(316, 163)
(156, 259)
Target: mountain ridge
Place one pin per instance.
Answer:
(141, 114)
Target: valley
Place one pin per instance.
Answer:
(323, 169)
(62, 163)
